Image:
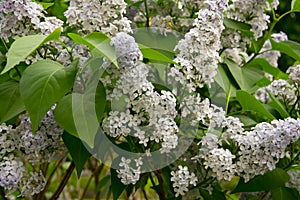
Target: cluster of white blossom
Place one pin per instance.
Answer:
(127, 173)
(137, 109)
(294, 181)
(198, 55)
(294, 74)
(203, 111)
(106, 16)
(252, 13)
(19, 147)
(24, 17)
(259, 149)
(281, 89)
(182, 179)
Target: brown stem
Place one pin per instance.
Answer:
(42, 193)
(64, 181)
(161, 186)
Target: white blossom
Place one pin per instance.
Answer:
(182, 179)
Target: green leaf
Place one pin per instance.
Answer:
(269, 181)
(287, 47)
(78, 151)
(153, 54)
(64, 114)
(24, 46)
(250, 103)
(295, 5)
(45, 5)
(284, 193)
(278, 106)
(262, 63)
(99, 42)
(246, 77)
(103, 182)
(240, 26)
(224, 82)
(117, 186)
(44, 83)
(10, 101)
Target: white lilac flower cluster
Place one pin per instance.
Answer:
(19, 147)
(259, 149)
(198, 52)
(106, 16)
(253, 13)
(294, 181)
(127, 173)
(182, 179)
(285, 90)
(281, 89)
(203, 111)
(23, 17)
(137, 109)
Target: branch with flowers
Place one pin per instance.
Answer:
(148, 99)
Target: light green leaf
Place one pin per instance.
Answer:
(295, 5)
(287, 47)
(44, 83)
(153, 54)
(22, 47)
(10, 101)
(78, 151)
(97, 41)
(250, 103)
(270, 180)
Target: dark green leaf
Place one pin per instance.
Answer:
(10, 101)
(240, 26)
(285, 193)
(288, 47)
(269, 181)
(261, 63)
(44, 83)
(246, 77)
(24, 46)
(117, 186)
(152, 54)
(278, 106)
(250, 103)
(78, 151)
(223, 81)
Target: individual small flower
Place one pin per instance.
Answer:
(182, 179)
